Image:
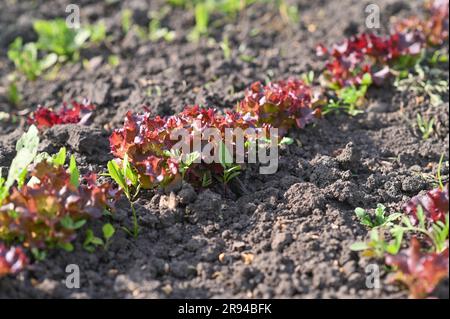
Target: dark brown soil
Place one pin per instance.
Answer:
(297, 224)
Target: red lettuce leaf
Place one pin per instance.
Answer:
(434, 204)
(78, 113)
(420, 271)
(283, 105)
(146, 140)
(12, 260)
(434, 28)
(350, 60)
(35, 214)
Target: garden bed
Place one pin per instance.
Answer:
(289, 234)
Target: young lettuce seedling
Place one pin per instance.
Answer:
(158, 166)
(439, 56)
(108, 232)
(424, 81)
(283, 104)
(56, 42)
(58, 205)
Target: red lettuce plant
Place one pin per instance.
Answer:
(12, 260)
(283, 105)
(434, 204)
(420, 271)
(368, 54)
(78, 113)
(47, 211)
(145, 141)
(380, 55)
(434, 28)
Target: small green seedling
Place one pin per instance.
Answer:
(289, 13)
(186, 161)
(14, 96)
(39, 255)
(379, 220)
(266, 142)
(202, 13)
(437, 180)
(230, 170)
(97, 32)
(424, 81)
(27, 61)
(247, 58)
(439, 172)
(74, 172)
(113, 60)
(55, 36)
(426, 127)
(437, 232)
(26, 151)
(108, 231)
(58, 159)
(156, 31)
(126, 20)
(287, 141)
(308, 78)
(377, 246)
(69, 223)
(439, 56)
(127, 180)
(226, 49)
(207, 179)
(91, 242)
(349, 98)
